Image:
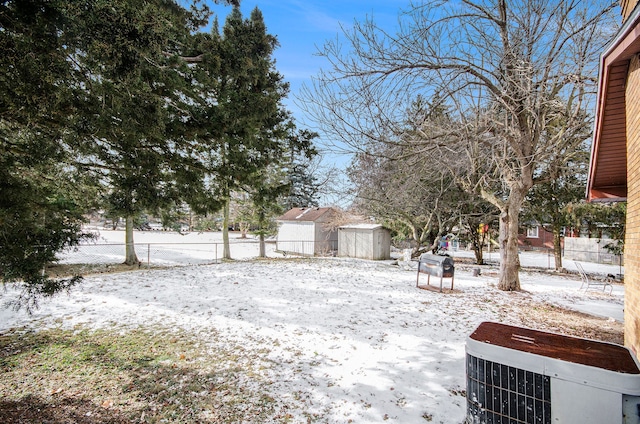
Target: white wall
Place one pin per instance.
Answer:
(296, 237)
(382, 245)
(364, 243)
(589, 250)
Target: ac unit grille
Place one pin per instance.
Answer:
(499, 394)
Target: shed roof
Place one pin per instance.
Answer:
(608, 167)
(307, 214)
(362, 226)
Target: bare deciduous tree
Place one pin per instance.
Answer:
(409, 195)
(519, 73)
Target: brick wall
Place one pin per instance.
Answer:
(632, 240)
(626, 7)
(543, 241)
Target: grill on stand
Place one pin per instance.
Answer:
(436, 265)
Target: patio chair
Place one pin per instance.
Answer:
(592, 284)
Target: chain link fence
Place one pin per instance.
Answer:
(599, 257)
(175, 254)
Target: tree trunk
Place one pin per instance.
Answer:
(557, 248)
(261, 225)
(244, 229)
(130, 252)
(477, 242)
(226, 250)
(417, 238)
(508, 240)
(263, 253)
(477, 249)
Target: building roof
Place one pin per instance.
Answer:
(307, 214)
(608, 168)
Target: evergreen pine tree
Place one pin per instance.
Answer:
(137, 98)
(88, 85)
(303, 184)
(240, 118)
(41, 198)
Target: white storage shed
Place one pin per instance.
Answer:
(364, 241)
(306, 231)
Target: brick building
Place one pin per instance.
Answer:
(614, 172)
(535, 237)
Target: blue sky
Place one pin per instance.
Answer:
(304, 26)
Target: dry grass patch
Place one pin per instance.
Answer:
(151, 376)
(57, 270)
(523, 311)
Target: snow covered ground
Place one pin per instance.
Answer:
(546, 287)
(164, 248)
(352, 340)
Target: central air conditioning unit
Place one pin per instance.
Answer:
(520, 375)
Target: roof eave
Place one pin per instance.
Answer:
(614, 52)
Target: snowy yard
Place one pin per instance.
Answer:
(349, 340)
